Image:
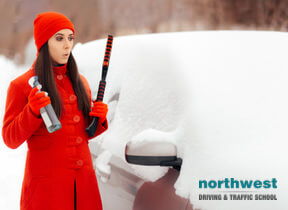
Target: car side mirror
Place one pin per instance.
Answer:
(153, 154)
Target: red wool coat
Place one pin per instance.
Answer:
(55, 161)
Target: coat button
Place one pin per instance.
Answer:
(76, 118)
(79, 162)
(72, 98)
(60, 77)
(79, 140)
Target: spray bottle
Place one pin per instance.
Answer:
(47, 113)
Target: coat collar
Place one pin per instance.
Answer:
(60, 69)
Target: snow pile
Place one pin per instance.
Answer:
(101, 166)
(225, 90)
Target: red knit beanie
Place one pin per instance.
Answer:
(47, 24)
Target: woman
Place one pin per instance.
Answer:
(59, 172)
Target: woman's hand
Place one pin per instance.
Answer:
(37, 100)
(99, 109)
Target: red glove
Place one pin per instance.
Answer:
(99, 109)
(37, 100)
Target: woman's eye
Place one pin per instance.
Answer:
(59, 38)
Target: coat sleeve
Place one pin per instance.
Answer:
(19, 122)
(101, 127)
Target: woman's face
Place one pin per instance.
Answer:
(60, 45)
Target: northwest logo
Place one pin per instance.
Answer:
(231, 183)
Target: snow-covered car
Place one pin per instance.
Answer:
(217, 100)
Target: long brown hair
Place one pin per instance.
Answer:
(44, 70)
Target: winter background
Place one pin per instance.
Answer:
(221, 97)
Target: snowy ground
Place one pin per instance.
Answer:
(220, 96)
(11, 161)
